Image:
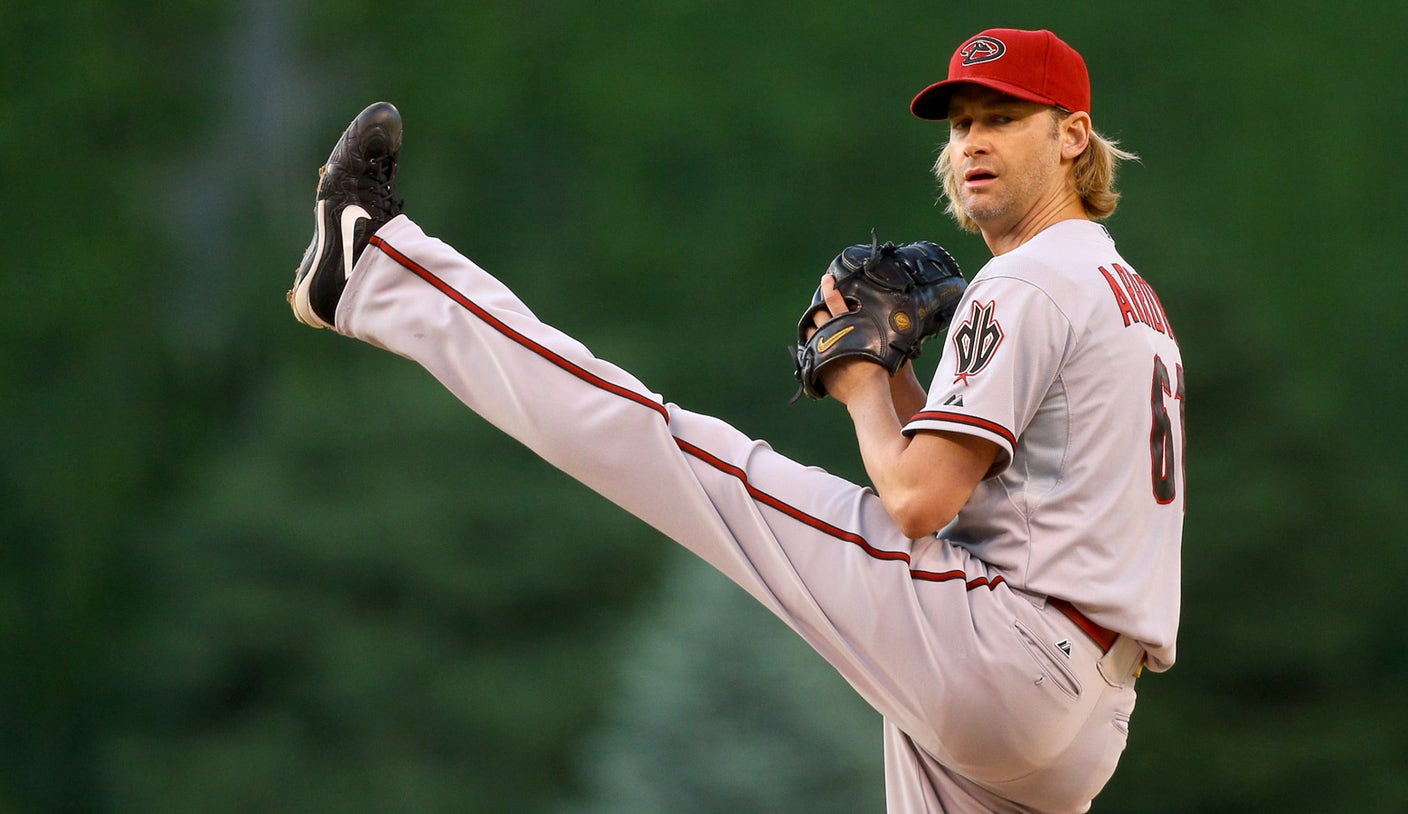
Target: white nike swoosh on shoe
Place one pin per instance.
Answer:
(322, 235)
(301, 306)
(350, 216)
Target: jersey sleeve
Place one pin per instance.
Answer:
(1002, 354)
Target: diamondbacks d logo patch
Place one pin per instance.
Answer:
(975, 341)
(982, 49)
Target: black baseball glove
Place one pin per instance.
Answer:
(899, 296)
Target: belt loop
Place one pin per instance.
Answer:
(1123, 664)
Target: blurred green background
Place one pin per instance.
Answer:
(249, 567)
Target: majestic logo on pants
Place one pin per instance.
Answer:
(975, 341)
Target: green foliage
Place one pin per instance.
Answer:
(244, 566)
(721, 708)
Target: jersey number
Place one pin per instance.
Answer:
(1163, 455)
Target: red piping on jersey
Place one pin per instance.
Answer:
(968, 420)
(946, 576)
(689, 449)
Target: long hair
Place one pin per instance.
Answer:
(1093, 176)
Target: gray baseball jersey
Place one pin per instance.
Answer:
(994, 699)
(1063, 356)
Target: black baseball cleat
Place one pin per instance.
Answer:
(356, 197)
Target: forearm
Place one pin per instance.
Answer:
(922, 480)
(880, 438)
(906, 483)
(907, 394)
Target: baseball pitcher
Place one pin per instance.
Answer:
(1014, 566)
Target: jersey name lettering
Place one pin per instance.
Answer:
(1136, 299)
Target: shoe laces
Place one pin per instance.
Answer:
(378, 184)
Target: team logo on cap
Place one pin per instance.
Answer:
(981, 49)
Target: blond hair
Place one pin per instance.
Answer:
(1093, 177)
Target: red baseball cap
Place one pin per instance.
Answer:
(1033, 65)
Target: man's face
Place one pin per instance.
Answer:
(1006, 158)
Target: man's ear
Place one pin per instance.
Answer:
(1075, 134)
